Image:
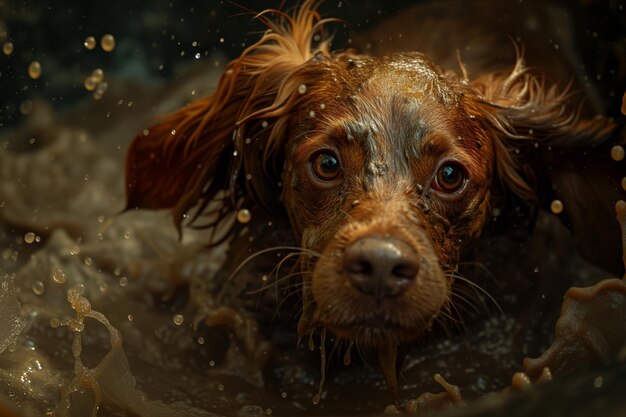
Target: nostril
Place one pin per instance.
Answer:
(406, 270)
(358, 266)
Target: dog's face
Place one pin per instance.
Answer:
(386, 175)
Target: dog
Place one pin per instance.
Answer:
(383, 170)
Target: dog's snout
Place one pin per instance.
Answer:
(380, 267)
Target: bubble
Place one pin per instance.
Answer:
(201, 340)
(90, 42)
(130, 317)
(26, 107)
(244, 216)
(311, 114)
(54, 322)
(34, 70)
(123, 282)
(58, 275)
(7, 48)
(90, 83)
(88, 261)
(38, 287)
(98, 75)
(29, 237)
(556, 206)
(302, 88)
(598, 382)
(617, 153)
(178, 319)
(107, 42)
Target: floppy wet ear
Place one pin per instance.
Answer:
(545, 151)
(228, 147)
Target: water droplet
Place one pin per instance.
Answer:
(322, 106)
(127, 234)
(58, 275)
(90, 83)
(38, 287)
(107, 42)
(247, 141)
(178, 319)
(244, 216)
(88, 261)
(34, 70)
(617, 153)
(90, 42)
(29, 237)
(556, 206)
(173, 132)
(311, 114)
(302, 88)
(7, 48)
(264, 124)
(98, 75)
(598, 382)
(130, 317)
(197, 55)
(75, 250)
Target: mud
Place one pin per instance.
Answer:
(109, 314)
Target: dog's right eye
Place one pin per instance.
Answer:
(325, 166)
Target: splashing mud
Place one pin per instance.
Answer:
(107, 314)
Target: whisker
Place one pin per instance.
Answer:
(484, 268)
(481, 289)
(262, 252)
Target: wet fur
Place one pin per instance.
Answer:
(392, 120)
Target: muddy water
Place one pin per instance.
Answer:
(102, 313)
(111, 307)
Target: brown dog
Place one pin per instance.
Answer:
(386, 167)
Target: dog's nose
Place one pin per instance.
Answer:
(380, 267)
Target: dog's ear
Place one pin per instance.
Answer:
(545, 151)
(227, 147)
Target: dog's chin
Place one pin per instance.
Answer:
(377, 333)
(370, 323)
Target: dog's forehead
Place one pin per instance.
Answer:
(411, 74)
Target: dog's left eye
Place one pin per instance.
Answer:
(450, 178)
(325, 166)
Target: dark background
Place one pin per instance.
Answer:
(154, 41)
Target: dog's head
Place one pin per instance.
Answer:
(387, 167)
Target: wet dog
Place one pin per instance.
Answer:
(383, 170)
